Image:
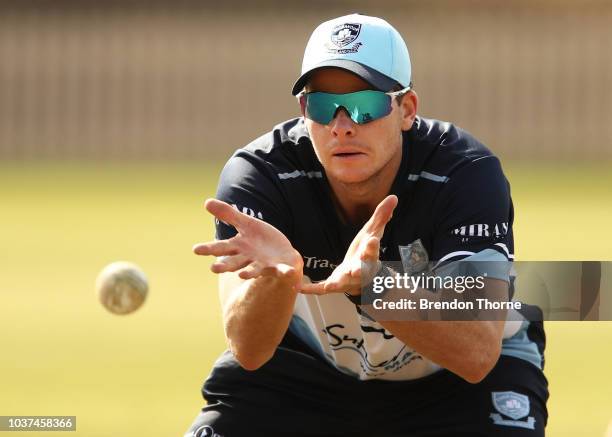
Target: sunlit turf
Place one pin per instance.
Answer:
(63, 354)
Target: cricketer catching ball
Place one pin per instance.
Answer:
(122, 287)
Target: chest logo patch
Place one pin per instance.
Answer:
(414, 257)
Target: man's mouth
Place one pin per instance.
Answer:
(347, 154)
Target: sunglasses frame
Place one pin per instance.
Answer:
(391, 94)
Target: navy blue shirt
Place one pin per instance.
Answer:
(452, 194)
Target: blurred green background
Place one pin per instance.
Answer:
(63, 354)
(116, 118)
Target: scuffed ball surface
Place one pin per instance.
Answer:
(122, 287)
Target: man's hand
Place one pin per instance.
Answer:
(260, 274)
(363, 252)
(259, 249)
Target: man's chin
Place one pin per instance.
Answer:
(351, 177)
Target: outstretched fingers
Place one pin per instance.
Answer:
(226, 213)
(382, 214)
(229, 263)
(216, 248)
(282, 271)
(313, 288)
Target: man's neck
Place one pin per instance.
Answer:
(356, 202)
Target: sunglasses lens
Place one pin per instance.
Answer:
(362, 106)
(317, 107)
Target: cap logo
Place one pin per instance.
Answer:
(344, 34)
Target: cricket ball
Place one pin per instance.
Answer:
(122, 287)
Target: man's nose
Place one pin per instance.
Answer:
(342, 124)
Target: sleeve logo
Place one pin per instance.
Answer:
(482, 230)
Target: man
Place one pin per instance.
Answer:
(303, 210)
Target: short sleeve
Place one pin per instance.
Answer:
(473, 214)
(247, 183)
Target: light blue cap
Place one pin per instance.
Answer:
(366, 46)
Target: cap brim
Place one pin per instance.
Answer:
(376, 79)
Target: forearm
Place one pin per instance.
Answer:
(256, 315)
(470, 348)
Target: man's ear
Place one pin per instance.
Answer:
(408, 107)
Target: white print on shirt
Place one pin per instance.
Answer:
(482, 230)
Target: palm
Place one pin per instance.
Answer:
(258, 249)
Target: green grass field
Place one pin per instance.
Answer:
(137, 375)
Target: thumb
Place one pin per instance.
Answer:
(382, 215)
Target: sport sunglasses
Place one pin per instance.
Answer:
(362, 106)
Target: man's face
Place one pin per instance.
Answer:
(354, 153)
